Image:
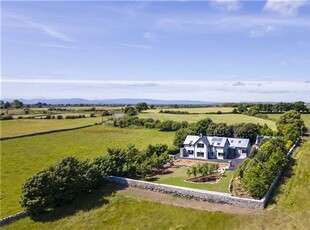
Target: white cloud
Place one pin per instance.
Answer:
(285, 7)
(261, 31)
(149, 36)
(172, 89)
(218, 24)
(48, 30)
(227, 5)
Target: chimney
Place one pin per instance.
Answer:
(200, 135)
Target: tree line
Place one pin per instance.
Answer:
(256, 174)
(208, 128)
(65, 181)
(280, 107)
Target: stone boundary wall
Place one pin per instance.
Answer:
(197, 194)
(9, 219)
(44, 132)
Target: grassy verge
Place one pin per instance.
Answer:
(178, 175)
(22, 158)
(227, 118)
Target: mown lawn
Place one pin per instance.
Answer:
(227, 118)
(178, 175)
(25, 126)
(106, 210)
(22, 158)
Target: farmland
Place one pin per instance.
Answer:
(25, 126)
(22, 158)
(288, 210)
(226, 118)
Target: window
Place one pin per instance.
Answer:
(190, 152)
(243, 150)
(200, 145)
(220, 154)
(200, 154)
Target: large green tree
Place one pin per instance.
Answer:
(16, 104)
(141, 106)
(291, 117)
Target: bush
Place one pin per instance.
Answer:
(58, 185)
(6, 117)
(59, 117)
(170, 125)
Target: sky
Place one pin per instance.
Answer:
(220, 51)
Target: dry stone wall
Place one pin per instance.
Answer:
(11, 218)
(197, 194)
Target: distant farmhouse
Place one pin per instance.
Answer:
(206, 147)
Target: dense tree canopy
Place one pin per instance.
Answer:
(141, 106)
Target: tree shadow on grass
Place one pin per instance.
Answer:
(86, 202)
(152, 179)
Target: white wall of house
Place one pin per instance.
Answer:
(201, 152)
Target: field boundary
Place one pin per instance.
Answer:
(11, 218)
(44, 132)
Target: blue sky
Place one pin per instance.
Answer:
(206, 50)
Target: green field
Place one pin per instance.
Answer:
(130, 212)
(101, 210)
(227, 118)
(25, 126)
(178, 176)
(194, 110)
(22, 158)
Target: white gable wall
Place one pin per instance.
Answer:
(201, 150)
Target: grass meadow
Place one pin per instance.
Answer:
(24, 126)
(195, 110)
(21, 158)
(289, 209)
(178, 175)
(227, 118)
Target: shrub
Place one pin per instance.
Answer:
(59, 117)
(58, 185)
(6, 117)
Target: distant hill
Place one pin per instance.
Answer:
(121, 101)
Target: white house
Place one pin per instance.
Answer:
(203, 147)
